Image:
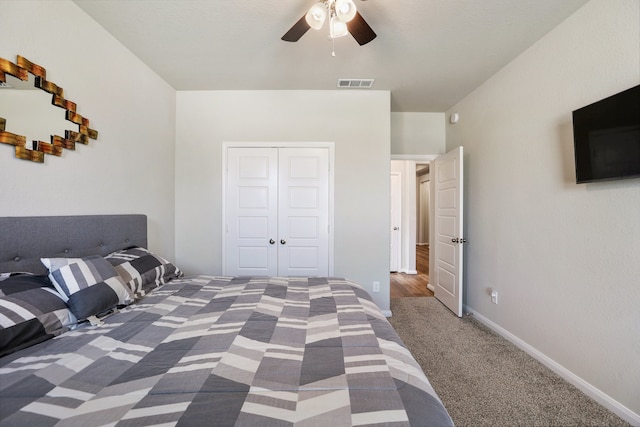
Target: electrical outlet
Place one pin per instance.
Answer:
(494, 296)
(376, 286)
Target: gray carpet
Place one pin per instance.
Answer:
(484, 380)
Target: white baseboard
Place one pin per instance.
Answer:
(605, 400)
(431, 288)
(387, 313)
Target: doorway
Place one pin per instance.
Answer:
(446, 233)
(412, 278)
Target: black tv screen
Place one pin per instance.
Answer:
(606, 137)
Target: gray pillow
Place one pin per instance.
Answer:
(31, 311)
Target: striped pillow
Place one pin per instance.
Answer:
(90, 285)
(31, 311)
(142, 270)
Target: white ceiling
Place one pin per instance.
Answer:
(428, 53)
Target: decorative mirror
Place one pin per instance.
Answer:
(36, 149)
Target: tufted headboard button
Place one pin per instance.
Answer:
(66, 251)
(16, 259)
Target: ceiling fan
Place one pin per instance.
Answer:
(344, 19)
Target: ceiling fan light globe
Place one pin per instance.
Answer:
(337, 28)
(345, 10)
(316, 16)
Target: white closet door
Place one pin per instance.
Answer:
(251, 212)
(277, 212)
(303, 216)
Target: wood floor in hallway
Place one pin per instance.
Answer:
(413, 285)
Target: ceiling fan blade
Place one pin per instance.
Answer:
(360, 30)
(297, 31)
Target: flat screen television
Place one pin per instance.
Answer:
(606, 138)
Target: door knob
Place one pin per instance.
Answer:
(455, 240)
(396, 228)
(271, 241)
(283, 241)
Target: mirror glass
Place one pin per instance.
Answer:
(29, 112)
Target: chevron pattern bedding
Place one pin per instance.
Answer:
(222, 351)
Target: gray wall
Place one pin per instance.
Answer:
(130, 168)
(356, 121)
(563, 257)
(418, 133)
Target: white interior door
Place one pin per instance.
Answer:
(396, 217)
(251, 212)
(423, 215)
(303, 212)
(277, 212)
(448, 173)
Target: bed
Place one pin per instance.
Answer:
(192, 351)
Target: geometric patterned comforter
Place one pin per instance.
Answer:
(226, 351)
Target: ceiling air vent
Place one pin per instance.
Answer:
(355, 83)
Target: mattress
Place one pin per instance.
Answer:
(226, 351)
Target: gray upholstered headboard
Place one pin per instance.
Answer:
(24, 240)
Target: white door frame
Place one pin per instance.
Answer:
(259, 144)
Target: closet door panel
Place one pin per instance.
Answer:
(251, 212)
(303, 212)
